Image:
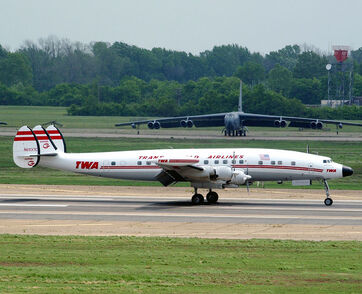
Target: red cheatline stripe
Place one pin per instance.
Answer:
(24, 139)
(19, 133)
(130, 167)
(53, 132)
(24, 133)
(236, 166)
(32, 138)
(183, 161)
(280, 167)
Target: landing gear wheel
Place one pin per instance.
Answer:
(328, 201)
(197, 199)
(212, 197)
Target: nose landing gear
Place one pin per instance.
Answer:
(328, 201)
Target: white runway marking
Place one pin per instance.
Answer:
(147, 214)
(33, 205)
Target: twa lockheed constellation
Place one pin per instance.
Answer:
(203, 168)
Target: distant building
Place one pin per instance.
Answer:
(335, 103)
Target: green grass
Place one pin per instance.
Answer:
(347, 153)
(17, 116)
(67, 264)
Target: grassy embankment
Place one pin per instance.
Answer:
(65, 264)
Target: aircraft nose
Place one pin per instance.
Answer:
(347, 171)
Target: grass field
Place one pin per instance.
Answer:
(342, 152)
(169, 265)
(17, 116)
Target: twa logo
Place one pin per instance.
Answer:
(331, 170)
(86, 165)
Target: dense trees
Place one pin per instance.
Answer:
(121, 79)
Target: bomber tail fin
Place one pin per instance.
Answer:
(240, 106)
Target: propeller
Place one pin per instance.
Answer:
(247, 173)
(308, 148)
(53, 122)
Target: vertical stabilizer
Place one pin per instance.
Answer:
(25, 148)
(46, 144)
(240, 107)
(57, 138)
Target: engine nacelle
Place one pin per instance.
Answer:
(319, 125)
(156, 125)
(186, 123)
(224, 173)
(280, 123)
(183, 123)
(239, 178)
(150, 125)
(313, 125)
(133, 126)
(340, 125)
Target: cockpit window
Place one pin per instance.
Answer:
(324, 161)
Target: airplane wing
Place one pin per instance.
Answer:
(3, 123)
(250, 119)
(206, 120)
(243, 119)
(179, 170)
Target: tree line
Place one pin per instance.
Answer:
(119, 79)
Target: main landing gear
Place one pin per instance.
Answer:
(211, 197)
(328, 201)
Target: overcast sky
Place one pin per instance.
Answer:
(185, 25)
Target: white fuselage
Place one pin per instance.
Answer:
(260, 164)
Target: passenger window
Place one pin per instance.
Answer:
(206, 162)
(148, 162)
(113, 163)
(139, 162)
(280, 162)
(260, 162)
(225, 161)
(293, 162)
(233, 161)
(272, 162)
(241, 161)
(216, 161)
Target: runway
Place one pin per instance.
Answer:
(175, 216)
(204, 135)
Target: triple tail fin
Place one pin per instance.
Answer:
(29, 145)
(25, 148)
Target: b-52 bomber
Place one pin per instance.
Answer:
(236, 123)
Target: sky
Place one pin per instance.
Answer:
(185, 25)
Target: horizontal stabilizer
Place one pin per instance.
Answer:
(24, 147)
